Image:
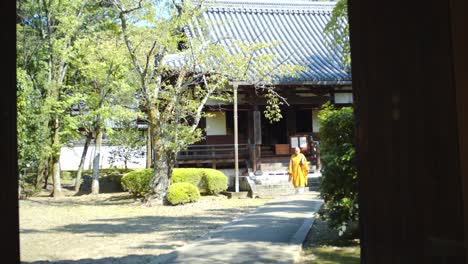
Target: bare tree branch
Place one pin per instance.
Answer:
(128, 42)
(118, 4)
(199, 111)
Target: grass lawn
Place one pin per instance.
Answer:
(334, 255)
(115, 228)
(324, 246)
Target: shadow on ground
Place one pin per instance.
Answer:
(250, 238)
(133, 259)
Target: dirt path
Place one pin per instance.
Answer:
(114, 228)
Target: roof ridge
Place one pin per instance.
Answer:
(281, 4)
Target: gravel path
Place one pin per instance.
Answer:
(114, 228)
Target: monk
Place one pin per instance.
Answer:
(298, 170)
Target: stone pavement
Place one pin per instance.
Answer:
(273, 233)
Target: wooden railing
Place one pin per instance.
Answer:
(213, 152)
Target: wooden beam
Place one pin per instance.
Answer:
(295, 100)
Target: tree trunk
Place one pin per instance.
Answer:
(47, 171)
(54, 170)
(163, 165)
(82, 162)
(97, 157)
(57, 191)
(160, 180)
(42, 170)
(148, 147)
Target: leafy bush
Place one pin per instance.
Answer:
(137, 182)
(208, 181)
(338, 184)
(105, 172)
(216, 181)
(182, 192)
(67, 175)
(192, 175)
(110, 181)
(27, 185)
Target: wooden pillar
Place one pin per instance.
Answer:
(9, 162)
(251, 140)
(459, 20)
(236, 146)
(291, 120)
(257, 138)
(408, 130)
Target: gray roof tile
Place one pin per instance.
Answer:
(296, 25)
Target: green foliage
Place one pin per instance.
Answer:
(27, 184)
(52, 72)
(208, 181)
(338, 184)
(67, 175)
(181, 193)
(194, 176)
(32, 134)
(338, 29)
(137, 182)
(108, 172)
(216, 181)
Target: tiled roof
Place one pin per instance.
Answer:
(296, 25)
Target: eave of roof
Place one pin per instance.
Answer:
(296, 25)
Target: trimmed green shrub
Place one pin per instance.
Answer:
(338, 184)
(137, 182)
(216, 181)
(194, 176)
(208, 181)
(181, 193)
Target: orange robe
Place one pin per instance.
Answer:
(297, 172)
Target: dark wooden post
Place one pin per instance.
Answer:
(459, 22)
(291, 121)
(251, 140)
(409, 68)
(9, 161)
(257, 138)
(236, 145)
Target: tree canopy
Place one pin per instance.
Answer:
(84, 67)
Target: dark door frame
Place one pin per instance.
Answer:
(407, 59)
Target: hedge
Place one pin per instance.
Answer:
(137, 182)
(208, 181)
(216, 181)
(338, 184)
(192, 175)
(181, 193)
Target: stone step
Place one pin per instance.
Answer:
(274, 190)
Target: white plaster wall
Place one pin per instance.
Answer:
(343, 98)
(216, 125)
(315, 121)
(70, 158)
